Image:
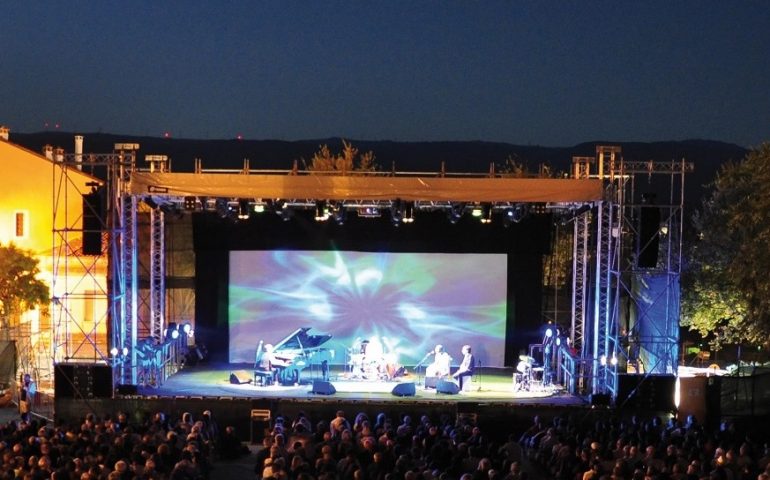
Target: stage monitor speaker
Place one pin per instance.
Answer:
(430, 382)
(444, 386)
(92, 224)
(404, 389)
(239, 379)
(321, 387)
(127, 389)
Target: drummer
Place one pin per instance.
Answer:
(371, 362)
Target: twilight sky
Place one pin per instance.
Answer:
(527, 72)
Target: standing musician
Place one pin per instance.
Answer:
(465, 370)
(441, 363)
(26, 394)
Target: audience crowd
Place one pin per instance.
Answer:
(578, 445)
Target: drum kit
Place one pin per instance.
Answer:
(526, 374)
(374, 367)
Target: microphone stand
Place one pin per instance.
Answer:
(419, 364)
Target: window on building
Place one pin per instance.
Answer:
(21, 225)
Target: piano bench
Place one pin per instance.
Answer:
(263, 378)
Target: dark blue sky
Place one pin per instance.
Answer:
(527, 72)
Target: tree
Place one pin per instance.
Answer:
(726, 280)
(20, 289)
(349, 160)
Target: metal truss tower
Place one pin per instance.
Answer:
(92, 291)
(615, 338)
(580, 265)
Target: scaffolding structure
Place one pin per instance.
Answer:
(604, 264)
(606, 292)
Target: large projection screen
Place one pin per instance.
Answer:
(403, 303)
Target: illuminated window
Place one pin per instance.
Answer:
(21, 224)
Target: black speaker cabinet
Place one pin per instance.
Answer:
(237, 378)
(646, 392)
(321, 387)
(92, 224)
(82, 381)
(126, 389)
(405, 389)
(450, 388)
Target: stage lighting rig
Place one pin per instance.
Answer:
(339, 213)
(243, 209)
(369, 212)
(408, 212)
(321, 211)
(486, 213)
(396, 212)
(456, 211)
(190, 204)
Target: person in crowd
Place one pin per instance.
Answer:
(26, 394)
(569, 446)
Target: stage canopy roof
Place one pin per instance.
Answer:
(423, 188)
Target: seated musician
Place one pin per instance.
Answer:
(268, 365)
(441, 363)
(465, 370)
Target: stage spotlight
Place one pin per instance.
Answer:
(549, 332)
(172, 332)
(369, 212)
(408, 212)
(518, 213)
(396, 213)
(281, 208)
(259, 207)
(603, 360)
(614, 360)
(114, 351)
(221, 207)
(339, 213)
(456, 211)
(125, 351)
(581, 210)
(243, 209)
(486, 213)
(186, 327)
(476, 212)
(321, 211)
(190, 203)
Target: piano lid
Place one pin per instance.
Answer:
(300, 339)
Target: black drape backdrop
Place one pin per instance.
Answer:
(525, 243)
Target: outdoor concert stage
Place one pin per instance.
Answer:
(213, 381)
(494, 401)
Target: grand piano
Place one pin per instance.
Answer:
(300, 350)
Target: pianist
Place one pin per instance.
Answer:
(295, 352)
(268, 365)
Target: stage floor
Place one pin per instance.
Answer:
(490, 386)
